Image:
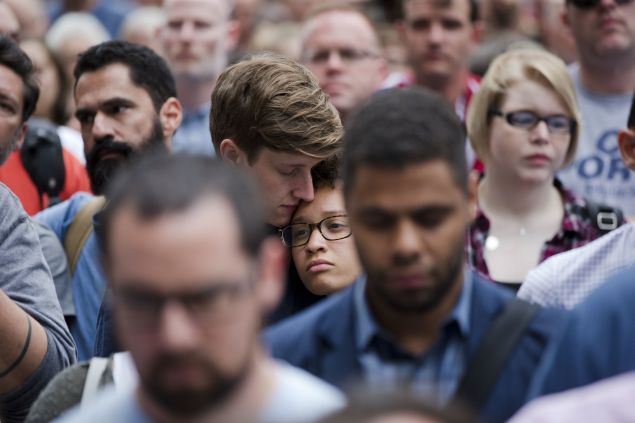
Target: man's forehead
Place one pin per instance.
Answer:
(108, 82)
(440, 5)
(219, 7)
(340, 22)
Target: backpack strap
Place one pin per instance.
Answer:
(493, 353)
(43, 159)
(605, 218)
(96, 368)
(80, 229)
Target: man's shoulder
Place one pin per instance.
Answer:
(299, 396)
(111, 405)
(61, 215)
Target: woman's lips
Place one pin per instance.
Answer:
(318, 266)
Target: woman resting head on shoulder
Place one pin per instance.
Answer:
(523, 124)
(321, 243)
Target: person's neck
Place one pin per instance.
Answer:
(244, 405)
(450, 88)
(414, 332)
(608, 77)
(194, 93)
(501, 196)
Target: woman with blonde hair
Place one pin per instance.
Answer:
(524, 124)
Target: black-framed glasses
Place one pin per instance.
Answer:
(526, 119)
(332, 228)
(210, 306)
(346, 55)
(589, 4)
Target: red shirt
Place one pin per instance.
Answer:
(14, 175)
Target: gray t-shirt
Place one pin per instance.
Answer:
(26, 279)
(298, 397)
(598, 172)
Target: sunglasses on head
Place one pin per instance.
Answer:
(588, 4)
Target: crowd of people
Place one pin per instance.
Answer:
(307, 211)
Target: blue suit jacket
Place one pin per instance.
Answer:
(321, 340)
(598, 342)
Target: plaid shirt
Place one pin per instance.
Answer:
(577, 229)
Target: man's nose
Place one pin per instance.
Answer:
(406, 242)
(304, 187)
(102, 127)
(186, 32)
(436, 33)
(334, 61)
(177, 331)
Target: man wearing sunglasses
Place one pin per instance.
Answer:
(604, 78)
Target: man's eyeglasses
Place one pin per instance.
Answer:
(332, 228)
(525, 119)
(346, 55)
(210, 306)
(589, 4)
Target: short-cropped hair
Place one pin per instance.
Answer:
(400, 127)
(508, 69)
(12, 57)
(147, 69)
(160, 184)
(270, 101)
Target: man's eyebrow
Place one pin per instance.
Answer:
(117, 101)
(9, 98)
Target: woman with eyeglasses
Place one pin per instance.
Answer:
(524, 124)
(321, 244)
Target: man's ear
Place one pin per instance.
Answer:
(21, 134)
(272, 273)
(564, 16)
(233, 34)
(626, 141)
(170, 116)
(472, 194)
(477, 33)
(230, 152)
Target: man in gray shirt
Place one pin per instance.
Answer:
(35, 342)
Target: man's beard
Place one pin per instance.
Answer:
(444, 276)
(102, 171)
(192, 401)
(6, 152)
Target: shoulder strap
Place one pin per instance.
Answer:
(43, 159)
(605, 218)
(80, 229)
(96, 369)
(493, 353)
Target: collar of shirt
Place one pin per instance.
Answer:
(367, 328)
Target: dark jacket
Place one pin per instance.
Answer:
(321, 340)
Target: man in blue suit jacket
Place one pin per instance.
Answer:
(417, 316)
